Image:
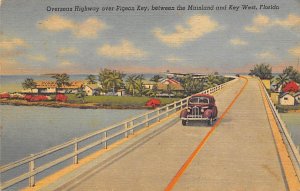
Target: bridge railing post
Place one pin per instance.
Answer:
(147, 120)
(105, 142)
(158, 112)
(126, 127)
(75, 160)
(131, 125)
(167, 111)
(31, 169)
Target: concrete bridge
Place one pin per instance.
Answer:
(244, 150)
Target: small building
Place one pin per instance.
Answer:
(148, 84)
(91, 89)
(168, 87)
(275, 97)
(267, 84)
(50, 87)
(287, 99)
(121, 92)
(297, 97)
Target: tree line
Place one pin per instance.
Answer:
(264, 71)
(134, 84)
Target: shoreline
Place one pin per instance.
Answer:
(55, 104)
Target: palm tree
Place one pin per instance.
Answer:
(61, 80)
(211, 81)
(140, 84)
(281, 80)
(131, 84)
(187, 84)
(114, 80)
(81, 94)
(91, 79)
(29, 83)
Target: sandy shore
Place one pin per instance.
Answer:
(68, 105)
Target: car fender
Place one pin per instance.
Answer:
(208, 113)
(183, 113)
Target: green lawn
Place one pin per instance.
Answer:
(285, 108)
(118, 100)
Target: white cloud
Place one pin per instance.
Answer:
(261, 22)
(125, 49)
(66, 63)
(194, 28)
(38, 58)
(266, 55)
(238, 42)
(87, 29)
(173, 59)
(295, 51)
(68, 50)
(11, 43)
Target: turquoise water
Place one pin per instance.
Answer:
(292, 121)
(28, 129)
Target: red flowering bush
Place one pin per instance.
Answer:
(28, 97)
(61, 98)
(38, 98)
(153, 102)
(291, 87)
(4, 95)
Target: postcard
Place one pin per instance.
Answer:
(150, 95)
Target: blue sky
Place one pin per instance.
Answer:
(35, 41)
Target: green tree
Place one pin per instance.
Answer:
(156, 78)
(29, 83)
(292, 73)
(211, 81)
(140, 85)
(263, 71)
(91, 79)
(281, 80)
(131, 84)
(81, 94)
(111, 80)
(61, 80)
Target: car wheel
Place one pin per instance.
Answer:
(183, 122)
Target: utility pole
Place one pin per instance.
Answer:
(298, 64)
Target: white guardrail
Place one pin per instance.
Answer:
(286, 136)
(77, 146)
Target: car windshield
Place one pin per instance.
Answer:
(197, 100)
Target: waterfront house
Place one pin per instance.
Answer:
(168, 87)
(286, 99)
(91, 89)
(148, 84)
(121, 92)
(50, 87)
(297, 97)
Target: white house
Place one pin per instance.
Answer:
(297, 97)
(287, 99)
(148, 84)
(91, 89)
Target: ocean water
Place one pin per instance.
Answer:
(292, 121)
(28, 129)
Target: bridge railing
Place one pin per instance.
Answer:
(74, 150)
(290, 145)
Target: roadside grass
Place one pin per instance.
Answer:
(286, 108)
(118, 100)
